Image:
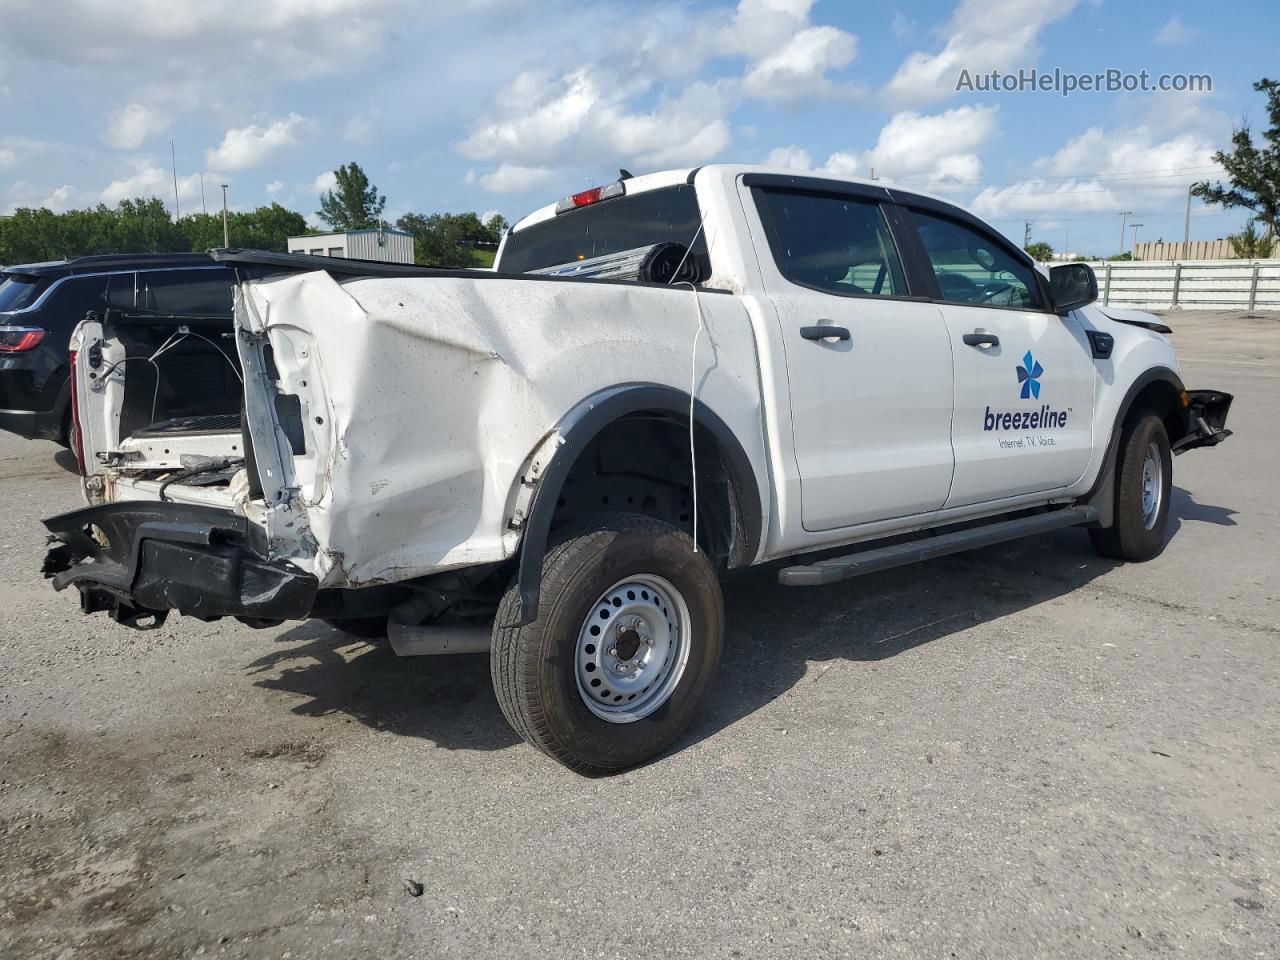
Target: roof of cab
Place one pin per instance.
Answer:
(670, 178)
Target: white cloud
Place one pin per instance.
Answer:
(621, 106)
(130, 126)
(792, 157)
(60, 199)
(584, 118)
(797, 70)
(1126, 168)
(287, 38)
(251, 146)
(902, 26)
(680, 132)
(1174, 33)
(150, 180)
(537, 116)
(324, 182)
(274, 188)
(8, 159)
(982, 35)
(513, 178)
(489, 215)
(938, 152)
(941, 148)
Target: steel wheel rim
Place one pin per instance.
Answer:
(1152, 485)
(633, 648)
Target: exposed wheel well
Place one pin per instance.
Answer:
(640, 463)
(1164, 400)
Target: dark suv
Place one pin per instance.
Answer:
(41, 303)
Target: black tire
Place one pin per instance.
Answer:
(534, 666)
(366, 628)
(1131, 537)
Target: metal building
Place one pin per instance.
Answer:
(375, 243)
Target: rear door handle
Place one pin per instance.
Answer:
(981, 340)
(824, 332)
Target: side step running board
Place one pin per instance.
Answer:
(900, 554)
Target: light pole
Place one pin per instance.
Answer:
(1186, 226)
(226, 236)
(1135, 227)
(1123, 214)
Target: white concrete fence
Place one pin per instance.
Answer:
(1190, 284)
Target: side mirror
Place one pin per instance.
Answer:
(1072, 285)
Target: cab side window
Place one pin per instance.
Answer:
(973, 268)
(833, 243)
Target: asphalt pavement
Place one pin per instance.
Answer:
(1026, 751)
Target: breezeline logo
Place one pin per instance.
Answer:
(1046, 418)
(1029, 374)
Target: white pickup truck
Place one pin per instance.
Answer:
(555, 460)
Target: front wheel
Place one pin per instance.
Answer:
(1142, 494)
(626, 642)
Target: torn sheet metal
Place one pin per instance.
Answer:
(422, 400)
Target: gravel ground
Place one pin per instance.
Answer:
(1021, 752)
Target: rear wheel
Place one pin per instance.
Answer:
(626, 642)
(1145, 475)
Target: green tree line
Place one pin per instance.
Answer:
(145, 226)
(138, 226)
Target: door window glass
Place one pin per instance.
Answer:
(186, 292)
(973, 268)
(119, 292)
(837, 244)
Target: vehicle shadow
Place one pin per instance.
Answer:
(774, 635)
(1183, 507)
(448, 700)
(66, 460)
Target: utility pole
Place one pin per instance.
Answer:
(226, 236)
(1026, 234)
(1135, 227)
(173, 158)
(203, 203)
(1186, 227)
(1123, 215)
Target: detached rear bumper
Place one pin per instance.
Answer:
(1206, 420)
(138, 561)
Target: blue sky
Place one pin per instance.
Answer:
(507, 104)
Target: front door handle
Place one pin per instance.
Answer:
(824, 332)
(981, 340)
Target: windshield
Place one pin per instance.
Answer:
(669, 215)
(20, 290)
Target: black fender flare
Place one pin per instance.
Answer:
(579, 427)
(1103, 492)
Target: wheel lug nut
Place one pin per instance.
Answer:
(613, 651)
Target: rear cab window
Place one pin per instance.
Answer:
(664, 215)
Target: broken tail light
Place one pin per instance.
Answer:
(19, 339)
(588, 197)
